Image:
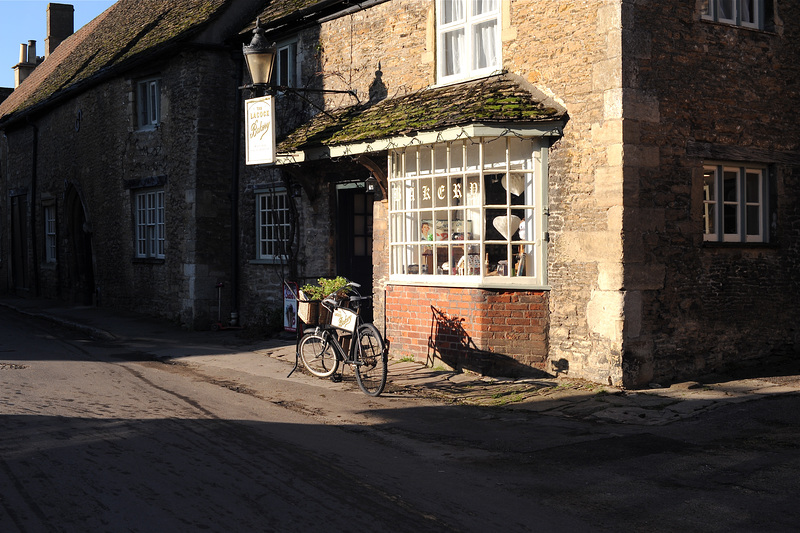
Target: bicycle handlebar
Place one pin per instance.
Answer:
(331, 302)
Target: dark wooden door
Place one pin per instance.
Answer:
(354, 238)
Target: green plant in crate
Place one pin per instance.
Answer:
(325, 287)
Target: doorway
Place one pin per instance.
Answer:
(81, 263)
(19, 242)
(354, 242)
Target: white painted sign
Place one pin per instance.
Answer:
(260, 134)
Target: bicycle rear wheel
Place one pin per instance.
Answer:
(318, 356)
(371, 360)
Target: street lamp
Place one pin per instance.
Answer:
(259, 56)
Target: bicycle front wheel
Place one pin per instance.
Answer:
(371, 360)
(318, 356)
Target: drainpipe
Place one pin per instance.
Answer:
(34, 179)
(234, 195)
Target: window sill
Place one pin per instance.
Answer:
(739, 26)
(470, 282)
(267, 261)
(148, 260)
(468, 77)
(739, 245)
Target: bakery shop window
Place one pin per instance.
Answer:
(468, 212)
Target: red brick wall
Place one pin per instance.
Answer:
(493, 332)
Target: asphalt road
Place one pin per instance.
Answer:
(95, 436)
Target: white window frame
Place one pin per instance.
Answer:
(735, 203)
(441, 225)
(150, 223)
(745, 13)
(286, 64)
(148, 103)
(273, 221)
(454, 17)
(50, 238)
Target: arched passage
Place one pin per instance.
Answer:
(80, 284)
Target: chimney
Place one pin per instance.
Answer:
(27, 62)
(60, 25)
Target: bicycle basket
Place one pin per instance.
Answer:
(308, 311)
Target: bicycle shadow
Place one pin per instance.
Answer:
(450, 342)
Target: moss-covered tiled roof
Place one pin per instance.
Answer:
(278, 9)
(129, 29)
(493, 100)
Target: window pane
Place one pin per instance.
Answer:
(479, 7)
(729, 219)
(709, 184)
(729, 188)
(753, 220)
(283, 66)
(725, 10)
(709, 219)
(452, 11)
(749, 11)
(705, 10)
(484, 40)
(453, 45)
(752, 187)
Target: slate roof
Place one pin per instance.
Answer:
(129, 30)
(500, 99)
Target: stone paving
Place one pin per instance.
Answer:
(557, 396)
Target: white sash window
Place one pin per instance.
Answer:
(468, 36)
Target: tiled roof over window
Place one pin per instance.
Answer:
(128, 29)
(495, 100)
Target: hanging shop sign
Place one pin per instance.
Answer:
(260, 133)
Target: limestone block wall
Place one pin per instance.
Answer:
(572, 51)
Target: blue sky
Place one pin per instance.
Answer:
(23, 20)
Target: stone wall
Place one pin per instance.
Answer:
(571, 51)
(91, 157)
(698, 91)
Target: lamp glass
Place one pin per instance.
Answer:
(260, 64)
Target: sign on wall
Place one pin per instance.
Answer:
(260, 133)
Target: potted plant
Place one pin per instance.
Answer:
(311, 295)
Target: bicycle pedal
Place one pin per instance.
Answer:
(336, 378)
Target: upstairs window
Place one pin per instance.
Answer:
(150, 226)
(468, 38)
(50, 233)
(734, 203)
(148, 103)
(747, 13)
(286, 65)
(272, 224)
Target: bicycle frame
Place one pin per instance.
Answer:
(329, 333)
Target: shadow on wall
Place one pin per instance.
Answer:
(451, 343)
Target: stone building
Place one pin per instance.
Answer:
(604, 188)
(116, 159)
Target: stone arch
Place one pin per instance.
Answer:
(80, 251)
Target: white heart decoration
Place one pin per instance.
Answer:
(507, 225)
(517, 184)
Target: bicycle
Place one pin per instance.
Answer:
(322, 353)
